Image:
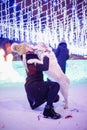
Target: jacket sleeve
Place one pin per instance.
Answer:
(44, 66)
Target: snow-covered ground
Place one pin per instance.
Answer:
(16, 114)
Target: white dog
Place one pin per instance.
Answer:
(54, 73)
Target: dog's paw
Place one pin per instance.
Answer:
(31, 61)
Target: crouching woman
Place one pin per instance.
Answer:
(40, 91)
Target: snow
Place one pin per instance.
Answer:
(16, 114)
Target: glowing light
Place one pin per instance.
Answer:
(9, 74)
(2, 58)
(2, 52)
(45, 0)
(8, 48)
(4, 1)
(54, 3)
(9, 57)
(50, 17)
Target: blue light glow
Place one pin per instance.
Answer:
(14, 72)
(54, 3)
(45, 0)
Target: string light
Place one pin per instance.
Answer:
(51, 19)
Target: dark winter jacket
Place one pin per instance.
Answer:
(36, 71)
(62, 54)
(34, 81)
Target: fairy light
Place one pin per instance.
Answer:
(56, 22)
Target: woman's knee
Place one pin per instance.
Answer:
(57, 86)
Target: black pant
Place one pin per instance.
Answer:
(39, 92)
